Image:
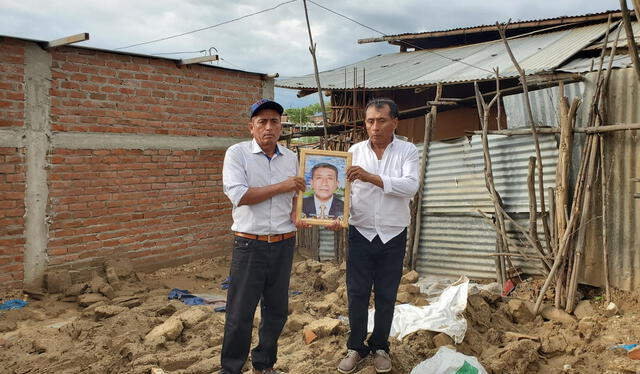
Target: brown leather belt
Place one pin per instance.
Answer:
(267, 238)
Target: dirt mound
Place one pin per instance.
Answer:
(126, 324)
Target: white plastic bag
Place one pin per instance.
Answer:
(443, 315)
(448, 361)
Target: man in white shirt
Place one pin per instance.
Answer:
(259, 177)
(384, 176)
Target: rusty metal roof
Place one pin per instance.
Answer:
(535, 53)
(544, 22)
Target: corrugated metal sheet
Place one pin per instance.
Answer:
(622, 155)
(544, 105)
(326, 246)
(536, 53)
(622, 42)
(454, 245)
(580, 65)
(454, 239)
(512, 24)
(455, 173)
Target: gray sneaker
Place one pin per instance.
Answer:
(349, 364)
(382, 361)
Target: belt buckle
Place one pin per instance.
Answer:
(272, 241)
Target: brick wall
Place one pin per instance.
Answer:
(11, 83)
(105, 92)
(158, 205)
(11, 216)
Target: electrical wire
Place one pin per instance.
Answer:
(405, 42)
(209, 27)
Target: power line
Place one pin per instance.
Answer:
(177, 53)
(405, 42)
(210, 27)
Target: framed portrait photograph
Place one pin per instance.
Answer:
(326, 197)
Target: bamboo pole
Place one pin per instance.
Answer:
(631, 42)
(534, 133)
(430, 119)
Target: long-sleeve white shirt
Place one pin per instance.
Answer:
(246, 165)
(384, 211)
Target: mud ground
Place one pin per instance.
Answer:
(126, 324)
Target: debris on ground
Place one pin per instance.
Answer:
(121, 321)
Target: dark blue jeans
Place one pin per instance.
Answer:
(377, 265)
(260, 271)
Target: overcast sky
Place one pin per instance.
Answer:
(275, 41)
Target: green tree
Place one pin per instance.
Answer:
(303, 115)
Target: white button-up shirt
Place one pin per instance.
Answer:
(384, 212)
(245, 166)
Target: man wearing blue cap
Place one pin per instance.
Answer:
(260, 178)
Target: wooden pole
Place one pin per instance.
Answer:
(533, 207)
(429, 122)
(498, 116)
(534, 133)
(567, 119)
(312, 50)
(483, 113)
(503, 234)
(604, 183)
(485, 109)
(551, 195)
(631, 42)
(586, 205)
(595, 117)
(555, 130)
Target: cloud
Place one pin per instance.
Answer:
(275, 41)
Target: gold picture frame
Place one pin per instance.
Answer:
(325, 192)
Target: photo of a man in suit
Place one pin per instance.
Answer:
(324, 204)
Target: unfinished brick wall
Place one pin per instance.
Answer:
(156, 207)
(11, 83)
(157, 204)
(106, 92)
(11, 215)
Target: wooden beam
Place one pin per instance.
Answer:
(631, 41)
(68, 40)
(197, 60)
(555, 130)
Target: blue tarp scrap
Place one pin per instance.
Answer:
(186, 297)
(626, 347)
(13, 304)
(225, 283)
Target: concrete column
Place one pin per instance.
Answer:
(37, 143)
(268, 87)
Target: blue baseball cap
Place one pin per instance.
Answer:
(265, 104)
